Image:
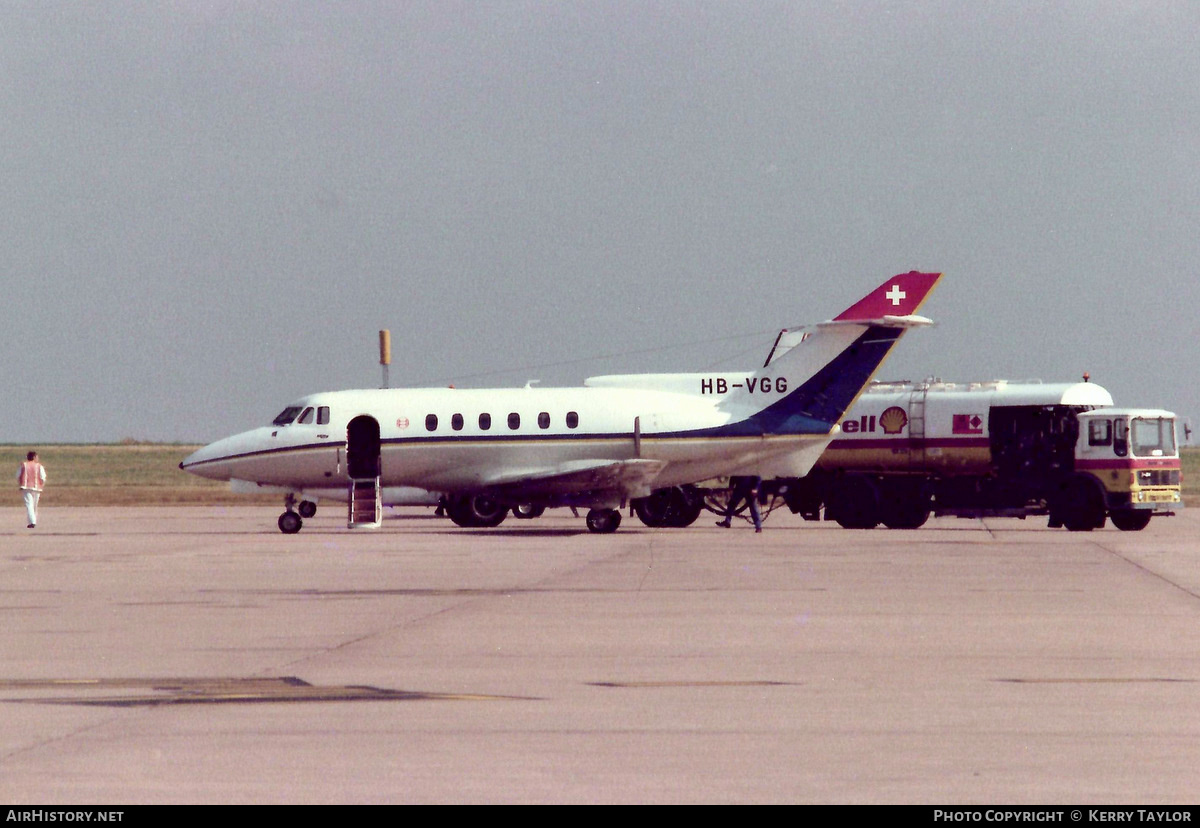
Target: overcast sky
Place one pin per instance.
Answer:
(211, 208)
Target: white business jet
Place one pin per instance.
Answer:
(489, 451)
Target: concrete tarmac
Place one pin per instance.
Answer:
(197, 655)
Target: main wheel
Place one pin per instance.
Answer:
(527, 511)
(307, 508)
(1130, 520)
(490, 512)
(603, 521)
(655, 509)
(686, 506)
(476, 511)
(290, 523)
(675, 507)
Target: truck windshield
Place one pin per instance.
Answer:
(1153, 437)
(287, 415)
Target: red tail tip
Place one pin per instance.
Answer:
(900, 295)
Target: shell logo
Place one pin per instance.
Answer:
(893, 420)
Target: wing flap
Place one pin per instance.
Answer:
(629, 478)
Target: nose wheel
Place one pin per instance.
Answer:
(289, 521)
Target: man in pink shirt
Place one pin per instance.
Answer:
(31, 478)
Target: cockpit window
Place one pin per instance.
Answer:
(306, 417)
(287, 415)
(323, 415)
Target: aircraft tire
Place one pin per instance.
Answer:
(675, 507)
(603, 521)
(654, 510)
(476, 512)
(685, 508)
(307, 508)
(527, 511)
(1130, 520)
(489, 512)
(290, 523)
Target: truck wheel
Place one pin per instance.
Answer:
(855, 502)
(1130, 520)
(1082, 507)
(905, 516)
(904, 506)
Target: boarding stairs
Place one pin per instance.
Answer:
(366, 504)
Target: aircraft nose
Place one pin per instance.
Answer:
(215, 460)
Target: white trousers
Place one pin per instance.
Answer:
(31, 501)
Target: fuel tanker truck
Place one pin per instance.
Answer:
(907, 450)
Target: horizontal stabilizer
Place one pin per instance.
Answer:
(910, 321)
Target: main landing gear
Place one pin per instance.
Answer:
(290, 521)
(675, 507)
(476, 511)
(603, 521)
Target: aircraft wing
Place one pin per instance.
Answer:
(628, 478)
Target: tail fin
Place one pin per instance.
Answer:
(900, 295)
(826, 371)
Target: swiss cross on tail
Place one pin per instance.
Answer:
(899, 296)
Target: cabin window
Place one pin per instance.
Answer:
(544, 419)
(431, 422)
(572, 419)
(485, 422)
(1100, 433)
(514, 421)
(456, 422)
(306, 417)
(286, 416)
(323, 415)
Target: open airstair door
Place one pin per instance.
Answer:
(365, 509)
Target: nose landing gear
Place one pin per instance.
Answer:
(289, 521)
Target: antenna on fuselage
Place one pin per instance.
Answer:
(385, 353)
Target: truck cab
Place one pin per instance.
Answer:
(1126, 468)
